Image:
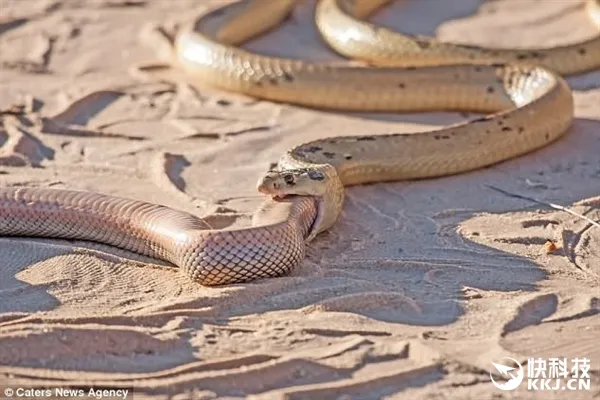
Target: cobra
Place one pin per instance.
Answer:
(527, 105)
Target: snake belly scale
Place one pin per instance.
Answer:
(528, 105)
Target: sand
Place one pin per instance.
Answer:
(413, 293)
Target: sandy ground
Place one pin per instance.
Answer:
(412, 294)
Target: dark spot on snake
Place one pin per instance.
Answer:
(272, 166)
(490, 89)
(224, 103)
(316, 175)
(582, 51)
(289, 18)
(411, 68)
(328, 154)
(364, 138)
(547, 136)
(506, 129)
(288, 77)
(423, 44)
(478, 68)
(273, 81)
(482, 119)
(521, 56)
(500, 122)
(470, 47)
(313, 149)
(535, 54)
(498, 65)
(521, 129)
(218, 12)
(401, 85)
(348, 156)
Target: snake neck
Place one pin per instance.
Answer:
(329, 190)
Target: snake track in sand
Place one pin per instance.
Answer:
(528, 106)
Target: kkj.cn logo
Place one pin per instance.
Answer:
(552, 374)
(514, 374)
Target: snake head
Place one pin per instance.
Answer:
(321, 181)
(301, 181)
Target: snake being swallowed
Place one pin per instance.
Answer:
(528, 106)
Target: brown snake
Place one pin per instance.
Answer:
(529, 106)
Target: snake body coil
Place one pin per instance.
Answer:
(207, 256)
(528, 104)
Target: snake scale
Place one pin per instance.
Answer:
(527, 105)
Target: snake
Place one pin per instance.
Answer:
(521, 92)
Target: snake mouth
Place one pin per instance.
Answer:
(271, 192)
(262, 189)
(265, 190)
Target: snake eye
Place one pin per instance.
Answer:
(289, 179)
(316, 175)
